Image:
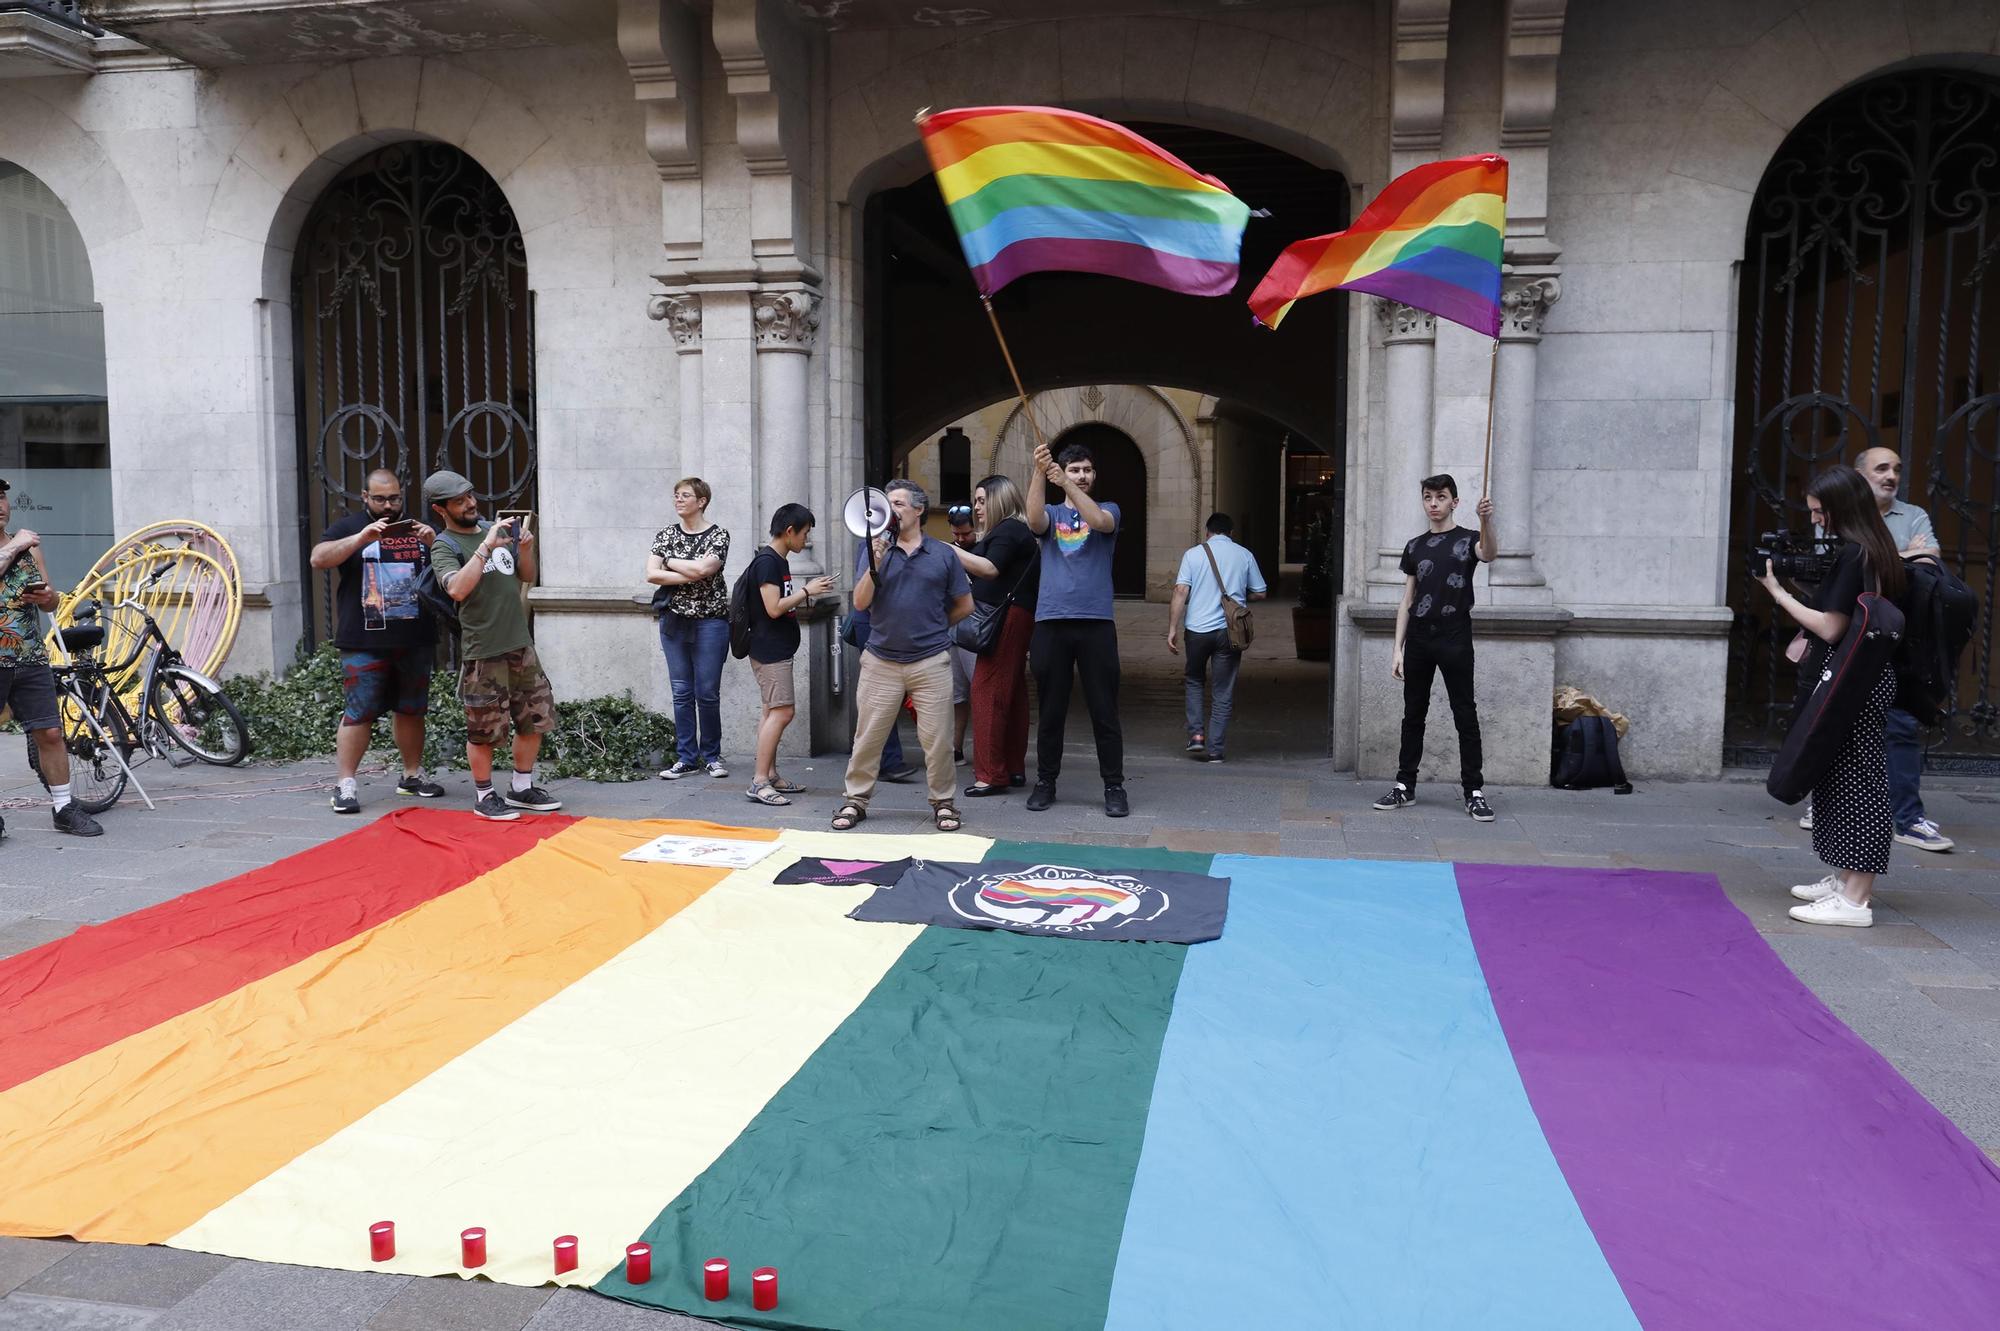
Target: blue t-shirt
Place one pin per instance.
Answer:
(1076, 566)
(911, 613)
(1240, 577)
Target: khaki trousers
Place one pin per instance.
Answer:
(878, 697)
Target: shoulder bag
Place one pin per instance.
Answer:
(1235, 614)
(979, 632)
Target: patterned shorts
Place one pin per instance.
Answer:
(500, 688)
(397, 680)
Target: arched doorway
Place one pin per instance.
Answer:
(55, 429)
(414, 332)
(1121, 479)
(1870, 292)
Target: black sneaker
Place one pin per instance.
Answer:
(344, 803)
(1476, 805)
(1115, 803)
(679, 770)
(418, 788)
(76, 822)
(1400, 796)
(1197, 744)
(1017, 779)
(534, 798)
(490, 805)
(1042, 796)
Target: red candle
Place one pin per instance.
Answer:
(764, 1288)
(472, 1247)
(638, 1263)
(565, 1253)
(715, 1279)
(382, 1240)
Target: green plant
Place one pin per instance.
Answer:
(1316, 577)
(294, 716)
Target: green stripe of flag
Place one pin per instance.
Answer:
(1475, 238)
(1098, 196)
(958, 1153)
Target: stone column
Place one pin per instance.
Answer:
(1514, 579)
(785, 323)
(683, 316)
(1410, 336)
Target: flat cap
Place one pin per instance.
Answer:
(442, 485)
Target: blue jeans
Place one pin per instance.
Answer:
(892, 747)
(1905, 747)
(695, 650)
(1210, 654)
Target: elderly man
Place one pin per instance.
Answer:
(914, 592)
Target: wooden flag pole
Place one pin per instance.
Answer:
(1027, 408)
(1492, 388)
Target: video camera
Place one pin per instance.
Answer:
(1800, 558)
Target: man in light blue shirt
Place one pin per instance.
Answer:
(1197, 606)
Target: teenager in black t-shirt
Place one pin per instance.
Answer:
(1434, 635)
(774, 641)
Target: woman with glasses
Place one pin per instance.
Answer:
(686, 562)
(1000, 678)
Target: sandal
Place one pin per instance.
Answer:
(784, 787)
(765, 792)
(944, 817)
(850, 814)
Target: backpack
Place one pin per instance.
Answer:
(430, 592)
(1942, 613)
(743, 595)
(1585, 755)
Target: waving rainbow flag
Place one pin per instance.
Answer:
(1431, 239)
(1034, 189)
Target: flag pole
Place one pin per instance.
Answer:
(1027, 408)
(1492, 388)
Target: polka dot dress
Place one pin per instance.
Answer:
(1852, 825)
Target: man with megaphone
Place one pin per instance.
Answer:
(914, 590)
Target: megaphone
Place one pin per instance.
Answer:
(867, 513)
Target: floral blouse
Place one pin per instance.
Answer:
(709, 598)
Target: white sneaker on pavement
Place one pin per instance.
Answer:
(1805, 819)
(1819, 891)
(1834, 909)
(1924, 835)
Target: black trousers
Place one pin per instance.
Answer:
(1089, 647)
(1429, 649)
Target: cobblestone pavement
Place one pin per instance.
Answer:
(1922, 986)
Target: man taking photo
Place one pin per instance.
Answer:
(27, 685)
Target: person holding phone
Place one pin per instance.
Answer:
(386, 639)
(27, 685)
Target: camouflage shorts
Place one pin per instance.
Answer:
(499, 688)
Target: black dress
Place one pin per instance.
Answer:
(1852, 824)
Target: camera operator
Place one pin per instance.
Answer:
(1852, 826)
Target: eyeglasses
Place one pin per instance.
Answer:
(959, 513)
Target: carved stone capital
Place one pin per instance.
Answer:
(1405, 323)
(1524, 304)
(785, 320)
(682, 314)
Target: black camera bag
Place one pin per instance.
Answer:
(1822, 724)
(1585, 755)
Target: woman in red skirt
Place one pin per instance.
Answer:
(1000, 680)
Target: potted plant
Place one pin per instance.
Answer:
(1312, 617)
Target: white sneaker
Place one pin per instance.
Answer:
(1805, 819)
(1834, 909)
(1819, 891)
(1924, 835)
(717, 770)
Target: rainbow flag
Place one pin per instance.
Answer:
(1037, 189)
(1432, 239)
(1390, 1095)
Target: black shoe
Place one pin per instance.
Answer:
(417, 787)
(1476, 805)
(1042, 796)
(76, 822)
(1400, 796)
(958, 755)
(1115, 803)
(1018, 780)
(534, 798)
(490, 805)
(1197, 744)
(344, 803)
(976, 791)
(902, 776)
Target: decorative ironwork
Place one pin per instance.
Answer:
(1868, 281)
(415, 337)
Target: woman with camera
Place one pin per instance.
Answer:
(1000, 679)
(1852, 825)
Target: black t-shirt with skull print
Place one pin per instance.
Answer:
(1442, 563)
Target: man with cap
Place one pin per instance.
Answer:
(484, 568)
(27, 685)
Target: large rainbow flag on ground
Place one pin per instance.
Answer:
(1392, 1095)
(1037, 188)
(1432, 239)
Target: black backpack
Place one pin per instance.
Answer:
(430, 592)
(742, 595)
(1585, 755)
(1942, 613)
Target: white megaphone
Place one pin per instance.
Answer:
(867, 513)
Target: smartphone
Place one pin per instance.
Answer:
(523, 519)
(400, 527)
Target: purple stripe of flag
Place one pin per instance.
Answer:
(1137, 263)
(1744, 1159)
(1446, 300)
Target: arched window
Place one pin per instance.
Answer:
(55, 441)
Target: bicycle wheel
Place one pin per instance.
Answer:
(199, 717)
(96, 781)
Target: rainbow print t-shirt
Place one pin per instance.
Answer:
(1076, 566)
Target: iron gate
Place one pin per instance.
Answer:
(414, 341)
(1870, 301)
